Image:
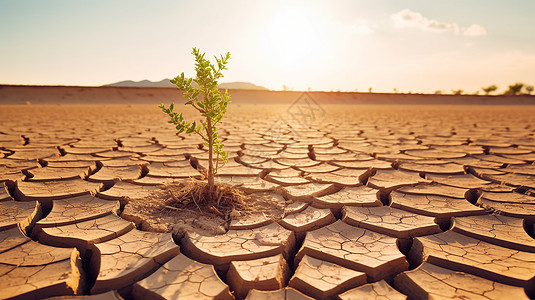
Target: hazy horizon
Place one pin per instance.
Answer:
(418, 46)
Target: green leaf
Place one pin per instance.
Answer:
(212, 105)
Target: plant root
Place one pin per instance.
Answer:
(195, 194)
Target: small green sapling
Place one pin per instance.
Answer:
(211, 104)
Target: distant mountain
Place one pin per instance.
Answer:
(143, 83)
(165, 83)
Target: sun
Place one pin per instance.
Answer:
(293, 39)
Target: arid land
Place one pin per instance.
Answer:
(20, 94)
(419, 199)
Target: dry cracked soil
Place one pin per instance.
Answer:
(346, 202)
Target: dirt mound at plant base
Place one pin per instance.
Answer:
(183, 206)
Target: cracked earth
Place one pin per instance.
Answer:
(359, 202)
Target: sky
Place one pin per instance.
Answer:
(404, 46)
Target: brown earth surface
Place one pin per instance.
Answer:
(341, 201)
(21, 94)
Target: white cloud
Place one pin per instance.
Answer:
(475, 30)
(409, 18)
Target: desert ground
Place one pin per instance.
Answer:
(346, 201)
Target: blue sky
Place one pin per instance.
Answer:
(418, 46)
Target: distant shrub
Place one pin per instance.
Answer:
(529, 89)
(514, 89)
(489, 89)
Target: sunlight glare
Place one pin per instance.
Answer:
(293, 40)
